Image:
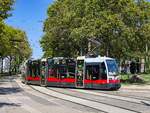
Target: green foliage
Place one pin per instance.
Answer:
(122, 26)
(13, 42)
(5, 8)
(125, 78)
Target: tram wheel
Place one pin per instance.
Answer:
(26, 82)
(43, 84)
(115, 88)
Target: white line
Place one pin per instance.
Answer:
(96, 105)
(112, 96)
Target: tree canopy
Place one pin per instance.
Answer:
(122, 27)
(5, 8)
(13, 42)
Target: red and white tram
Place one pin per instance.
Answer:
(84, 72)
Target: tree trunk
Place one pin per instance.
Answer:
(2, 65)
(10, 65)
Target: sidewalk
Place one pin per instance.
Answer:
(136, 87)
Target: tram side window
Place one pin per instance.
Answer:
(103, 72)
(52, 71)
(43, 67)
(71, 71)
(71, 65)
(62, 70)
(36, 69)
(88, 72)
(92, 72)
(95, 75)
(29, 69)
(80, 65)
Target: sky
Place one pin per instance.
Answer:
(29, 15)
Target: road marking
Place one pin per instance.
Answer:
(96, 105)
(112, 96)
(135, 90)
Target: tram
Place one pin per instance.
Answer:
(97, 73)
(84, 72)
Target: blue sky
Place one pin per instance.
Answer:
(28, 16)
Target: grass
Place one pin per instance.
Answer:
(126, 79)
(146, 78)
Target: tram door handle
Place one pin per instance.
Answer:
(93, 78)
(62, 77)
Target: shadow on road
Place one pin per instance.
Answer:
(8, 104)
(146, 103)
(5, 91)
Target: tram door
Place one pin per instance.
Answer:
(43, 73)
(92, 74)
(80, 74)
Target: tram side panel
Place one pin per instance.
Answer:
(52, 77)
(33, 72)
(96, 76)
(61, 73)
(67, 74)
(99, 76)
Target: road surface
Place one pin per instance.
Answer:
(16, 97)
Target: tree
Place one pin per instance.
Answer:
(14, 45)
(13, 42)
(5, 8)
(122, 27)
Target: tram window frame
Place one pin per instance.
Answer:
(71, 68)
(87, 76)
(62, 74)
(52, 69)
(29, 65)
(71, 71)
(92, 76)
(80, 62)
(33, 69)
(103, 73)
(36, 69)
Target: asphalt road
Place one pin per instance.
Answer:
(16, 97)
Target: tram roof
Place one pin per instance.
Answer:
(58, 58)
(93, 59)
(43, 59)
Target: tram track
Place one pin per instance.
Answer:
(129, 110)
(35, 95)
(99, 101)
(100, 94)
(103, 94)
(65, 99)
(129, 96)
(85, 99)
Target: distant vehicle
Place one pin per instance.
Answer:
(84, 72)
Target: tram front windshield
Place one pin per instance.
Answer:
(112, 67)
